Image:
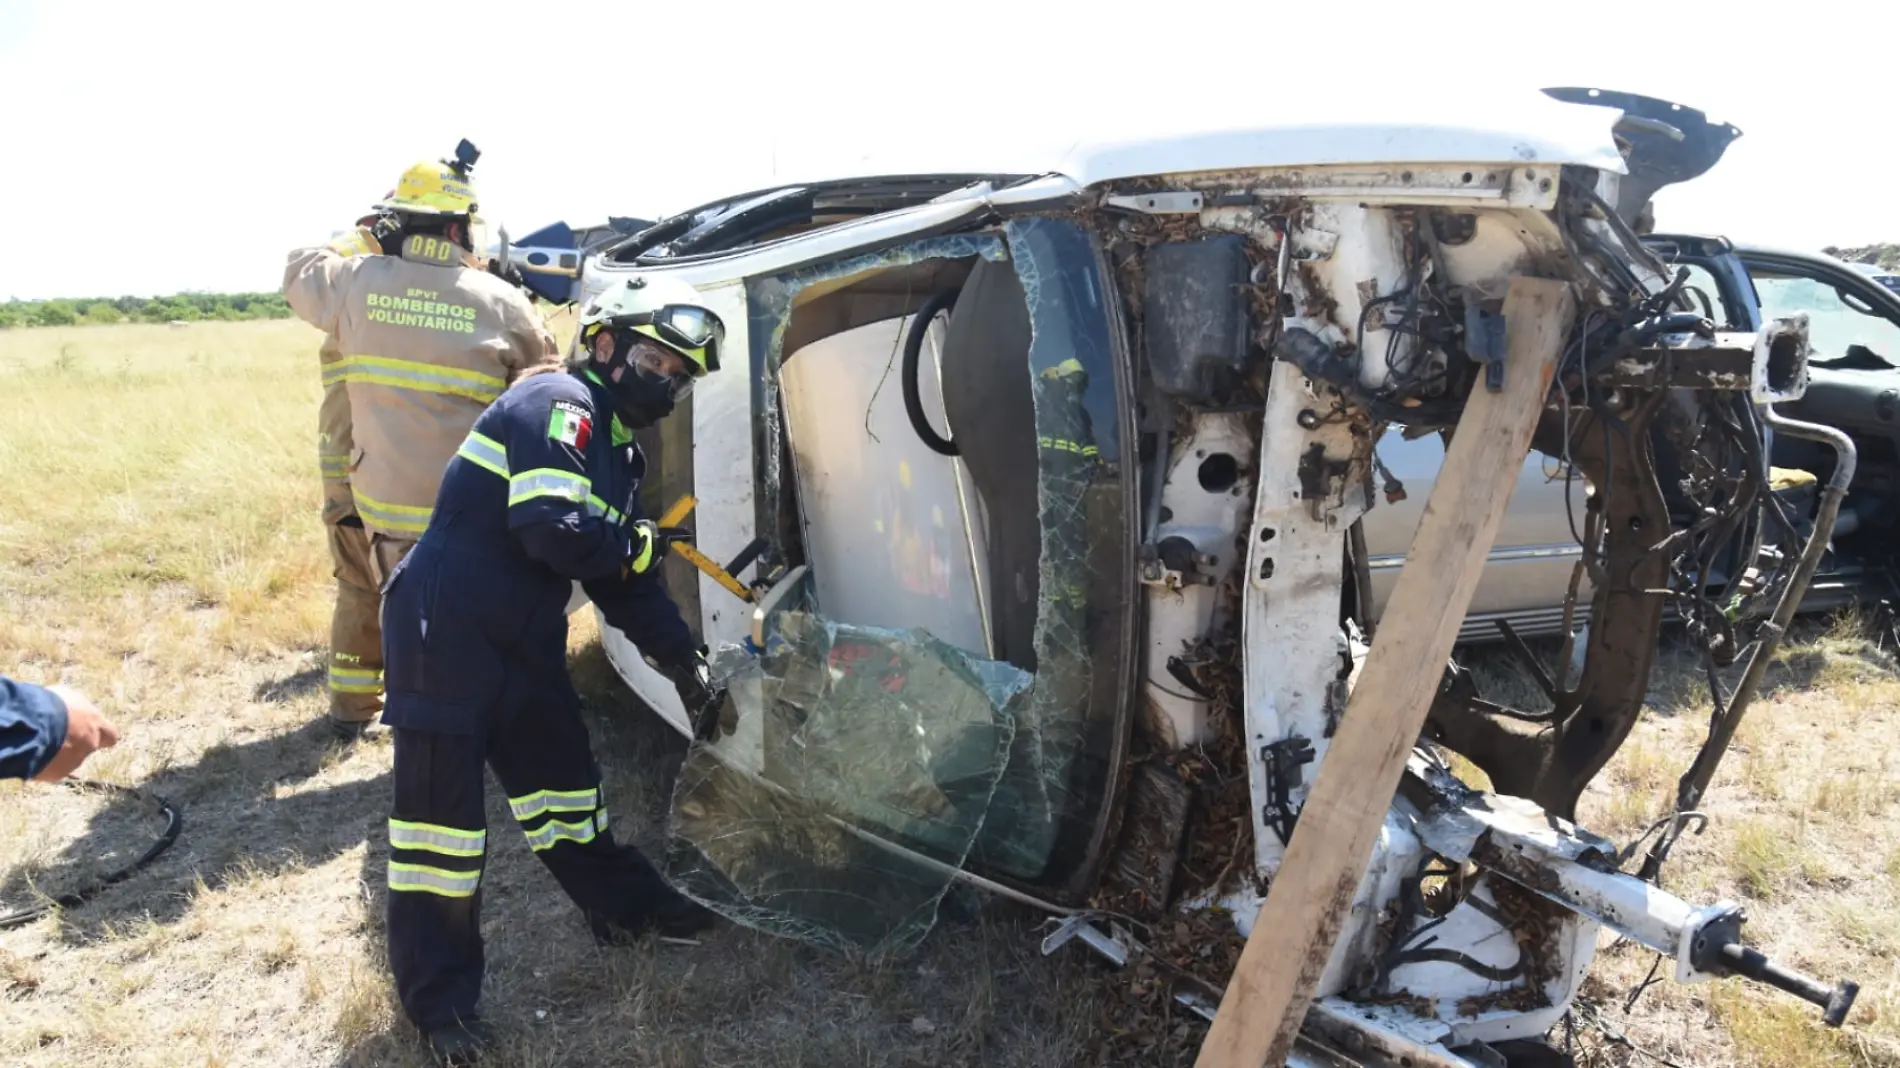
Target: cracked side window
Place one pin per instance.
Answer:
(867, 764)
(854, 784)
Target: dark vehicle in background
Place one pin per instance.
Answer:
(1854, 320)
(1854, 384)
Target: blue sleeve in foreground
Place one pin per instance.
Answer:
(637, 606)
(32, 728)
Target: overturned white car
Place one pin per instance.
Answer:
(1040, 487)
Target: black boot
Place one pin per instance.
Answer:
(682, 917)
(461, 1043)
(679, 917)
(351, 731)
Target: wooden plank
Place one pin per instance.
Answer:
(1272, 987)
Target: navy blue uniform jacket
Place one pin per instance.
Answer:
(541, 494)
(32, 728)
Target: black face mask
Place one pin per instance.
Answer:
(639, 400)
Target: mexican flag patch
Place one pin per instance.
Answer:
(570, 424)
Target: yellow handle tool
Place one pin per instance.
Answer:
(681, 509)
(690, 553)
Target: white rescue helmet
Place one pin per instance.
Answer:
(665, 309)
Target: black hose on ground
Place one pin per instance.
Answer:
(174, 822)
(913, 394)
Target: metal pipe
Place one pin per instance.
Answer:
(1695, 781)
(1835, 1000)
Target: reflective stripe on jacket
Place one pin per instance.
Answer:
(422, 345)
(542, 493)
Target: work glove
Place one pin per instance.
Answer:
(706, 708)
(507, 272)
(646, 534)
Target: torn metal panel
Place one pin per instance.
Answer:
(1770, 363)
(1384, 1034)
(1782, 350)
(1207, 499)
(1079, 926)
(866, 734)
(1295, 684)
(1475, 184)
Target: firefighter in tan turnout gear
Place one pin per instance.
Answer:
(355, 638)
(418, 341)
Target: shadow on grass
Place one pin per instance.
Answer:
(531, 930)
(234, 827)
(290, 686)
(977, 992)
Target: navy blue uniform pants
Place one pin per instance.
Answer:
(438, 839)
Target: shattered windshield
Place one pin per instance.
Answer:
(867, 764)
(1833, 324)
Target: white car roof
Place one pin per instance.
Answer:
(1502, 127)
(1525, 132)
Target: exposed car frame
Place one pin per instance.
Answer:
(1209, 476)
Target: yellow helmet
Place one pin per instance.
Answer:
(432, 189)
(439, 187)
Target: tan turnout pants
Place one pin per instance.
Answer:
(362, 562)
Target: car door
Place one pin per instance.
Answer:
(1527, 575)
(1854, 384)
(1847, 310)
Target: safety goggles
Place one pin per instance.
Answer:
(695, 332)
(652, 367)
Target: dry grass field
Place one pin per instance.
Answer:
(159, 548)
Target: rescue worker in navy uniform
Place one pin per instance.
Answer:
(542, 492)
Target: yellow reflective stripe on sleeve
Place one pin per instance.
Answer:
(356, 680)
(600, 820)
(421, 878)
(484, 452)
(599, 508)
(435, 838)
(531, 805)
(555, 832)
(412, 374)
(333, 466)
(548, 482)
(401, 517)
(355, 243)
(1061, 445)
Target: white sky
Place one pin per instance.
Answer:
(155, 147)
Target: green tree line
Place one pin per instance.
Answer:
(179, 307)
